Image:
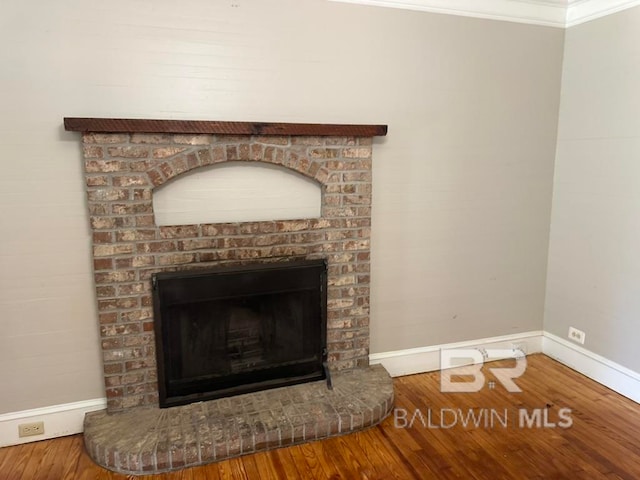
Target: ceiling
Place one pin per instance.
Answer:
(554, 13)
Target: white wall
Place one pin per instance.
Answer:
(237, 192)
(462, 183)
(594, 260)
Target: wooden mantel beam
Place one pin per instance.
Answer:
(128, 125)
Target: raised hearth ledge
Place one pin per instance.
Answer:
(129, 125)
(154, 440)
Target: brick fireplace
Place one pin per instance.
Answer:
(126, 160)
(122, 169)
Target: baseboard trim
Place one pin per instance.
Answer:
(620, 379)
(67, 419)
(427, 359)
(59, 421)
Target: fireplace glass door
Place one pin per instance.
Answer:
(233, 330)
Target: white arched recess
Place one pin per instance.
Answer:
(237, 192)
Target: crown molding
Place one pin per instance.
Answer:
(551, 13)
(581, 11)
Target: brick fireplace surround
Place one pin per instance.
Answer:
(126, 160)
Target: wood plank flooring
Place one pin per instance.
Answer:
(602, 442)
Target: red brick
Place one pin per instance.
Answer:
(199, 244)
(137, 340)
(156, 177)
(115, 277)
(139, 364)
(102, 237)
(166, 170)
(145, 221)
(218, 154)
(97, 181)
(107, 194)
(98, 209)
(142, 261)
(131, 378)
(132, 208)
(113, 368)
(113, 381)
(192, 139)
(350, 177)
(257, 151)
(362, 152)
(179, 165)
(324, 152)
(180, 231)
(346, 141)
(106, 166)
(105, 291)
(130, 180)
(108, 250)
(105, 138)
(139, 165)
(202, 158)
(125, 222)
(156, 247)
(133, 288)
(142, 194)
(292, 225)
(135, 235)
(111, 343)
(128, 152)
(232, 153)
(175, 259)
(105, 318)
(150, 138)
(136, 315)
(91, 151)
(103, 264)
(114, 392)
(114, 303)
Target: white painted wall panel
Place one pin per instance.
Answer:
(594, 265)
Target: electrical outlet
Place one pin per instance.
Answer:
(576, 335)
(30, 429)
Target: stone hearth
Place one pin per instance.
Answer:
(151, 439)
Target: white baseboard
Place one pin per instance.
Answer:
(610, 374)
(620, 379)
(59, 420)
(427, 359)
(67, 419)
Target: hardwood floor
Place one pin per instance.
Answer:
(602, 441)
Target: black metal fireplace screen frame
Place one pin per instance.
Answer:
(297, 288)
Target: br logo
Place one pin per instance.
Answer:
(472, 361)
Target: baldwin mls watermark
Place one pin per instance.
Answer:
(449, 369)
(490, 418)
(468, 363)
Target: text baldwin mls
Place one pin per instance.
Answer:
(445, 418)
